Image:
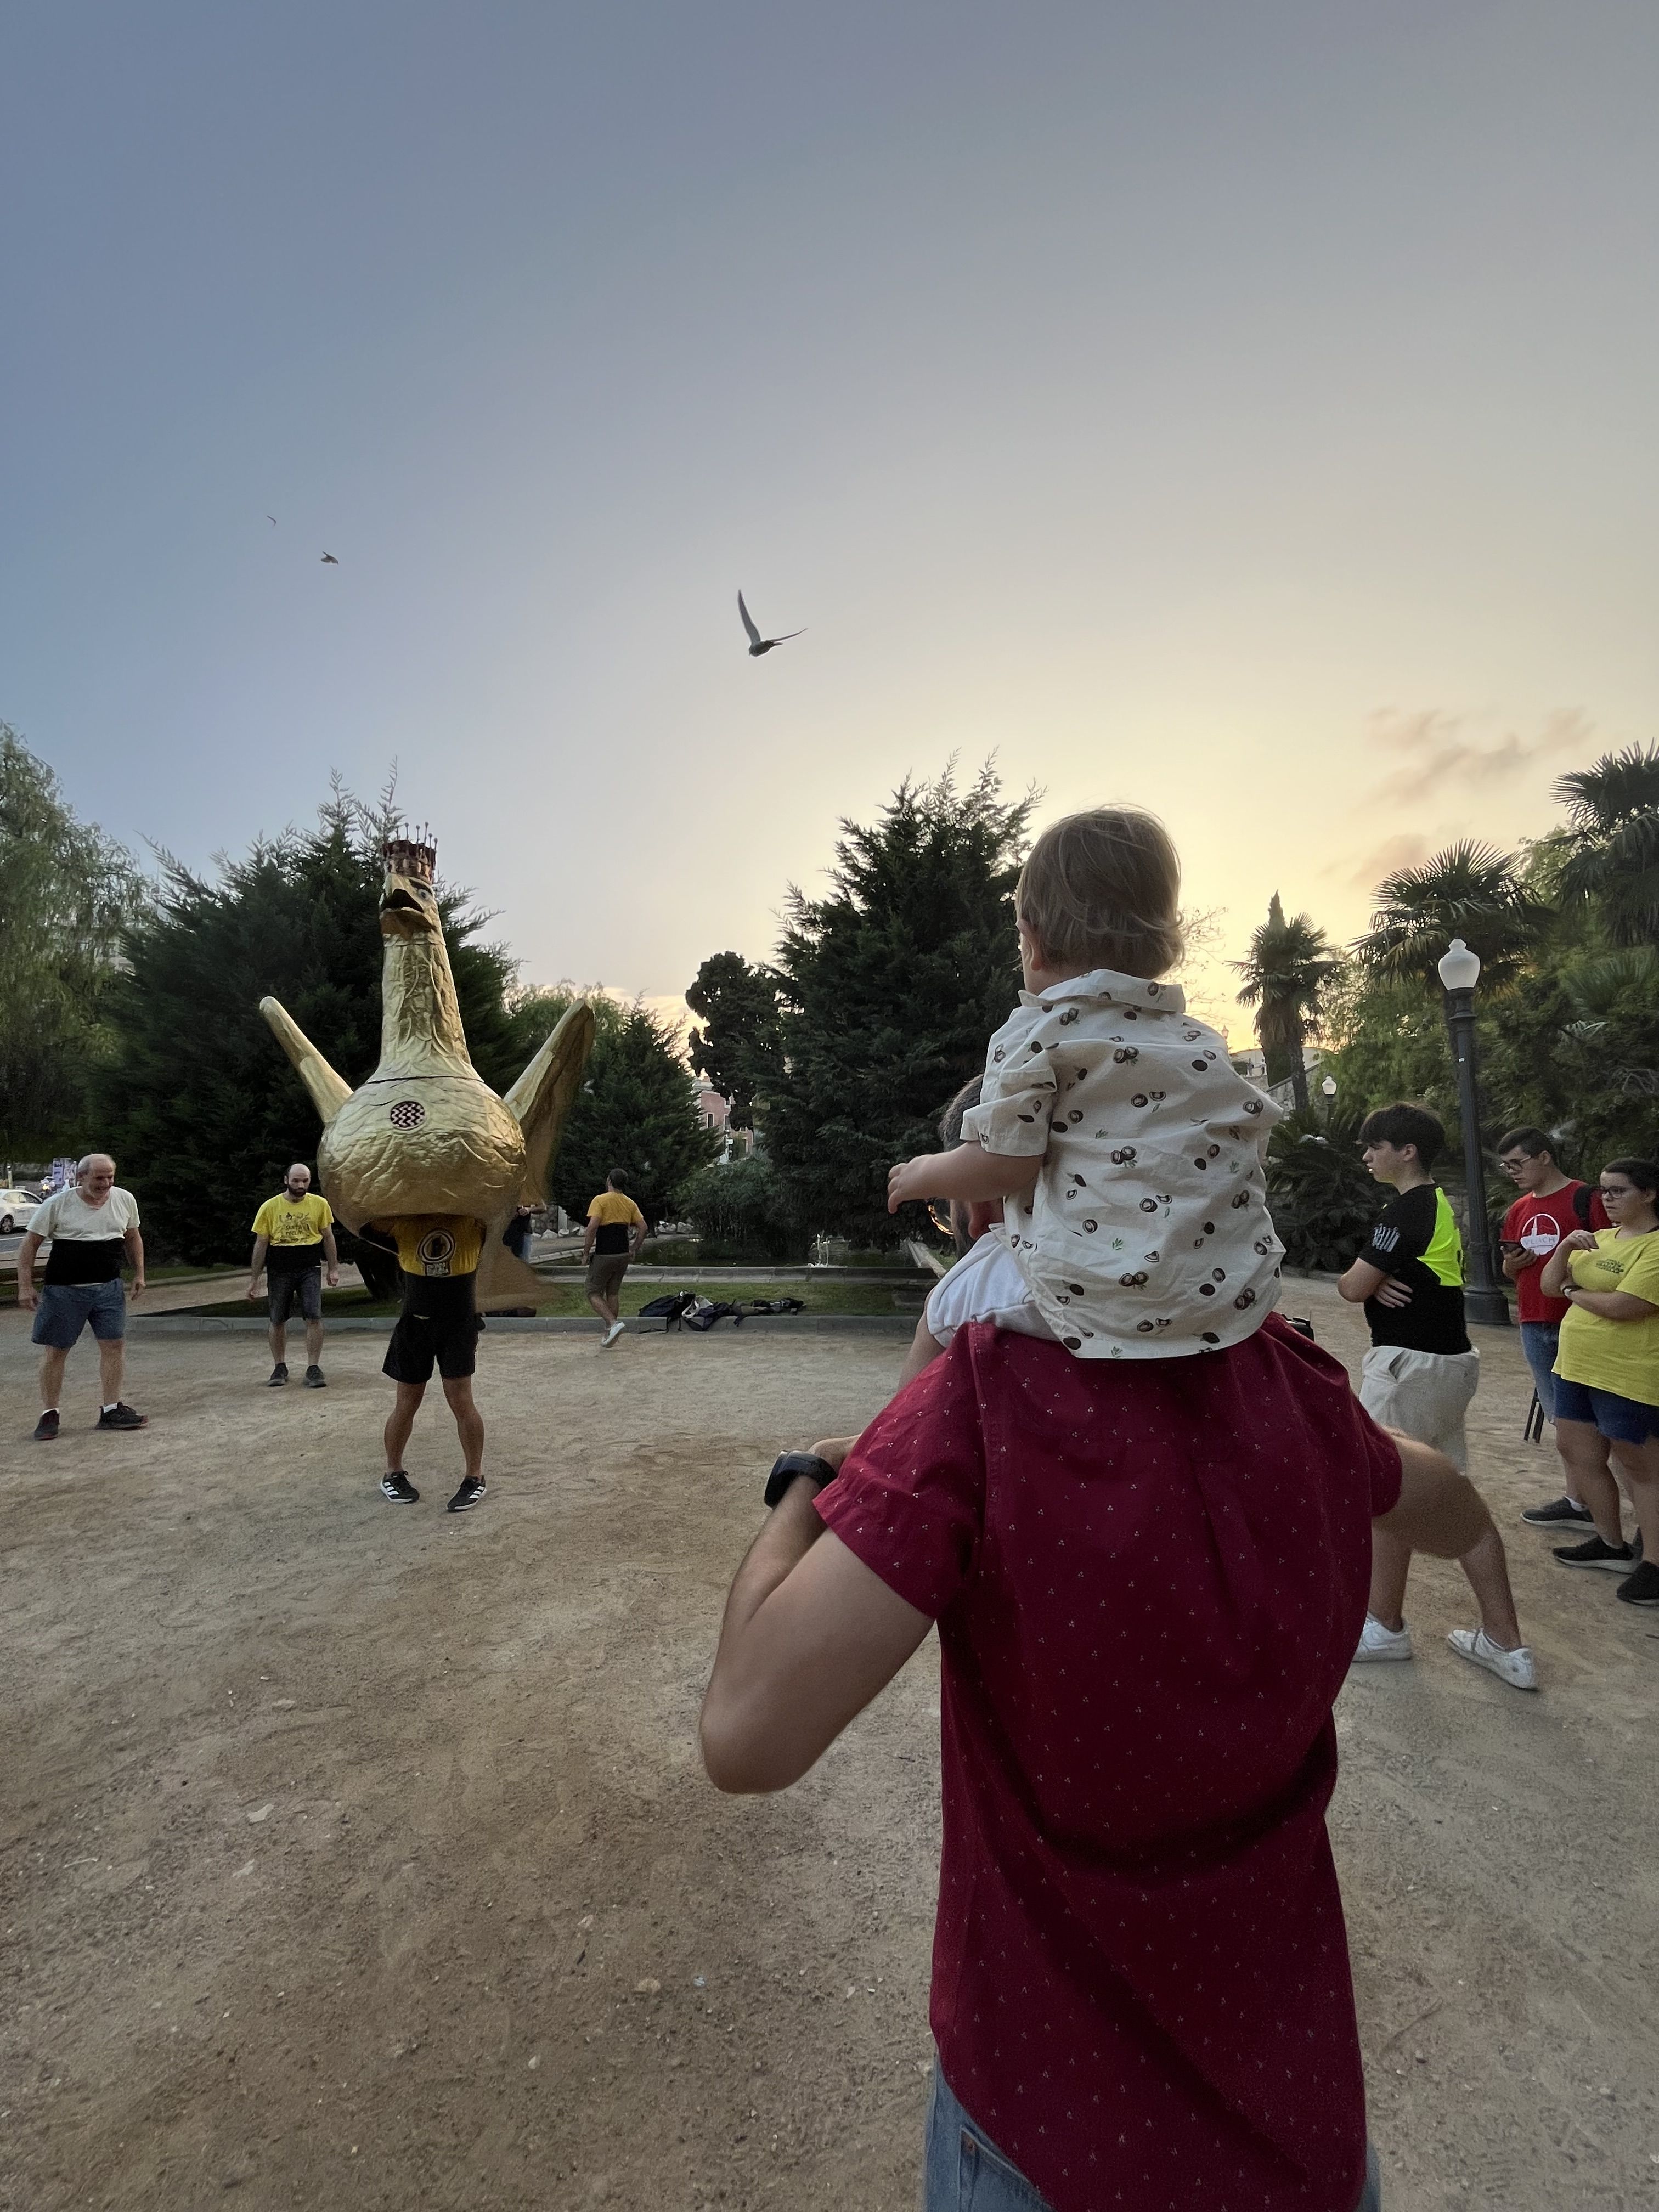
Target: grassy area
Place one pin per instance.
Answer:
(568, 1300)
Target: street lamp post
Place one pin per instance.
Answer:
(1460, 971)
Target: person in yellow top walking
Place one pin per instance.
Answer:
(616, 1233)
(1607, 1373)
(293, 1235)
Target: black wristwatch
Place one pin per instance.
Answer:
(787, 1465)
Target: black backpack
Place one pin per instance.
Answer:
(670, 1308)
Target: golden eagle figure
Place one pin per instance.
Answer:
(426, 1133)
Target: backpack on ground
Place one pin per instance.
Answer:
(770, 1306)
(670, 1308)
(702, 1313)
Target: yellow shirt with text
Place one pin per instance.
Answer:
(1614, 1355)
(281, 1221)
(437, 1244)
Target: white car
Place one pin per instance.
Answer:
(15, 1208)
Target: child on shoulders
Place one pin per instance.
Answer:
(1123, 1146)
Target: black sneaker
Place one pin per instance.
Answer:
(472, 1488)
(278, 1376)
(398, 1487)
(1616, 1558)
(1559, 1512)
(315, 1379)
(1643, 1587)
(46, 1427)
(123, 1416)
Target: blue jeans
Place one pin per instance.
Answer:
(964, 2172)
(1539, 1342)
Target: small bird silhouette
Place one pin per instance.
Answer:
(271, 519)
(757, 644)
(332, 562)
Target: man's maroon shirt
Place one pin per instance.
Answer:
(1149, 1578)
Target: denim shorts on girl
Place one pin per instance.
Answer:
(1621, 1420)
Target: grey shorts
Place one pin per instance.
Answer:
(605, 1271)
(301, 1288)
(1426, 1394)
(65, 1308)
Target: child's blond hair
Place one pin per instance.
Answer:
(1103, 889)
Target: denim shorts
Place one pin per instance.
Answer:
(299, 1286)
(964, 2172)
(1539, 1341)
(64, 1309)
(1621, 1420)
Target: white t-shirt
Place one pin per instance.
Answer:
(985, 1285)
(66, 1218)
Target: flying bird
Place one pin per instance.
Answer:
(332, 562)
(271, 519)
(757, 644)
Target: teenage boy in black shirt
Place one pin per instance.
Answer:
(1418, 1377)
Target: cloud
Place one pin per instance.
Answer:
(1432, 748)
(1408, 848)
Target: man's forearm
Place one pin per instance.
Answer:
(329, 1252)
(791, 1531)
(26, 1257)
(136, 1254)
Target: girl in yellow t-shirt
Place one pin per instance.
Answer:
(1607, 1373)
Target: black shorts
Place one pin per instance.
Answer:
(439, 1322)
(299, 1288)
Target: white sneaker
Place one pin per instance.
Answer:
(1377, 1641)
(1516, 1667)
(611, 1334)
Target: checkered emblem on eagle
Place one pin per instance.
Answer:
(407, 1113)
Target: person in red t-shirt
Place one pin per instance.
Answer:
(1148, 1580)
(1550, 1206)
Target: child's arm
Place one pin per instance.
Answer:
(970, 1173)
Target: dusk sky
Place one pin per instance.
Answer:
(1244, 409)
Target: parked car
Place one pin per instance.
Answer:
(15, 1207)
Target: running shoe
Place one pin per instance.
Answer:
(278, 1376)
(315, 1379)
(473, 1488)
(399, 1489)
(123, 1416)
(1516, 1667)
(46, 1427)
(1643, 1587)
(1377, 1641)
(1560, 1511)
(611, 1334)
(1612, 1559)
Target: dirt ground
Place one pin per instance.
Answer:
(357, 1856)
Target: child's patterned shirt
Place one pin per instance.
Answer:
(1147, 1236)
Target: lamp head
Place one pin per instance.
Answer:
(1328, 1086)
(1460, 968)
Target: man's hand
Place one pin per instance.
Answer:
(333, 1278)
(137, 1289)
(254, 1288)
(912, 1179)
(1393, 1292)
(26, 1297)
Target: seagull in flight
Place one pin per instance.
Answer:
(271, 519)
(757, 644)
(332, 562)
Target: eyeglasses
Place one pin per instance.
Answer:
(938, 1213)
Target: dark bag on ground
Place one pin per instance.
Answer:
(702, 1313)
(668, 1307)
(769, 1306)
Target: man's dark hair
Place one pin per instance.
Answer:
(1400, 1124)
(1643, 1173)
(950, 1121)
(1529, 1141)
(616, 1179)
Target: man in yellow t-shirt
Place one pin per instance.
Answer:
(438, 1253)
(293, 1235)
(616, 1230)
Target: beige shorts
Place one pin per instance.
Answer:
(1426, 1394)
(605, 1271)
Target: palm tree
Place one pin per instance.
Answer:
(1470, 890)
(1285, 971)
(1612, 808)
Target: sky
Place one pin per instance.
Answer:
(1244, 411)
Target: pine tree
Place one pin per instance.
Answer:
(890, 986)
